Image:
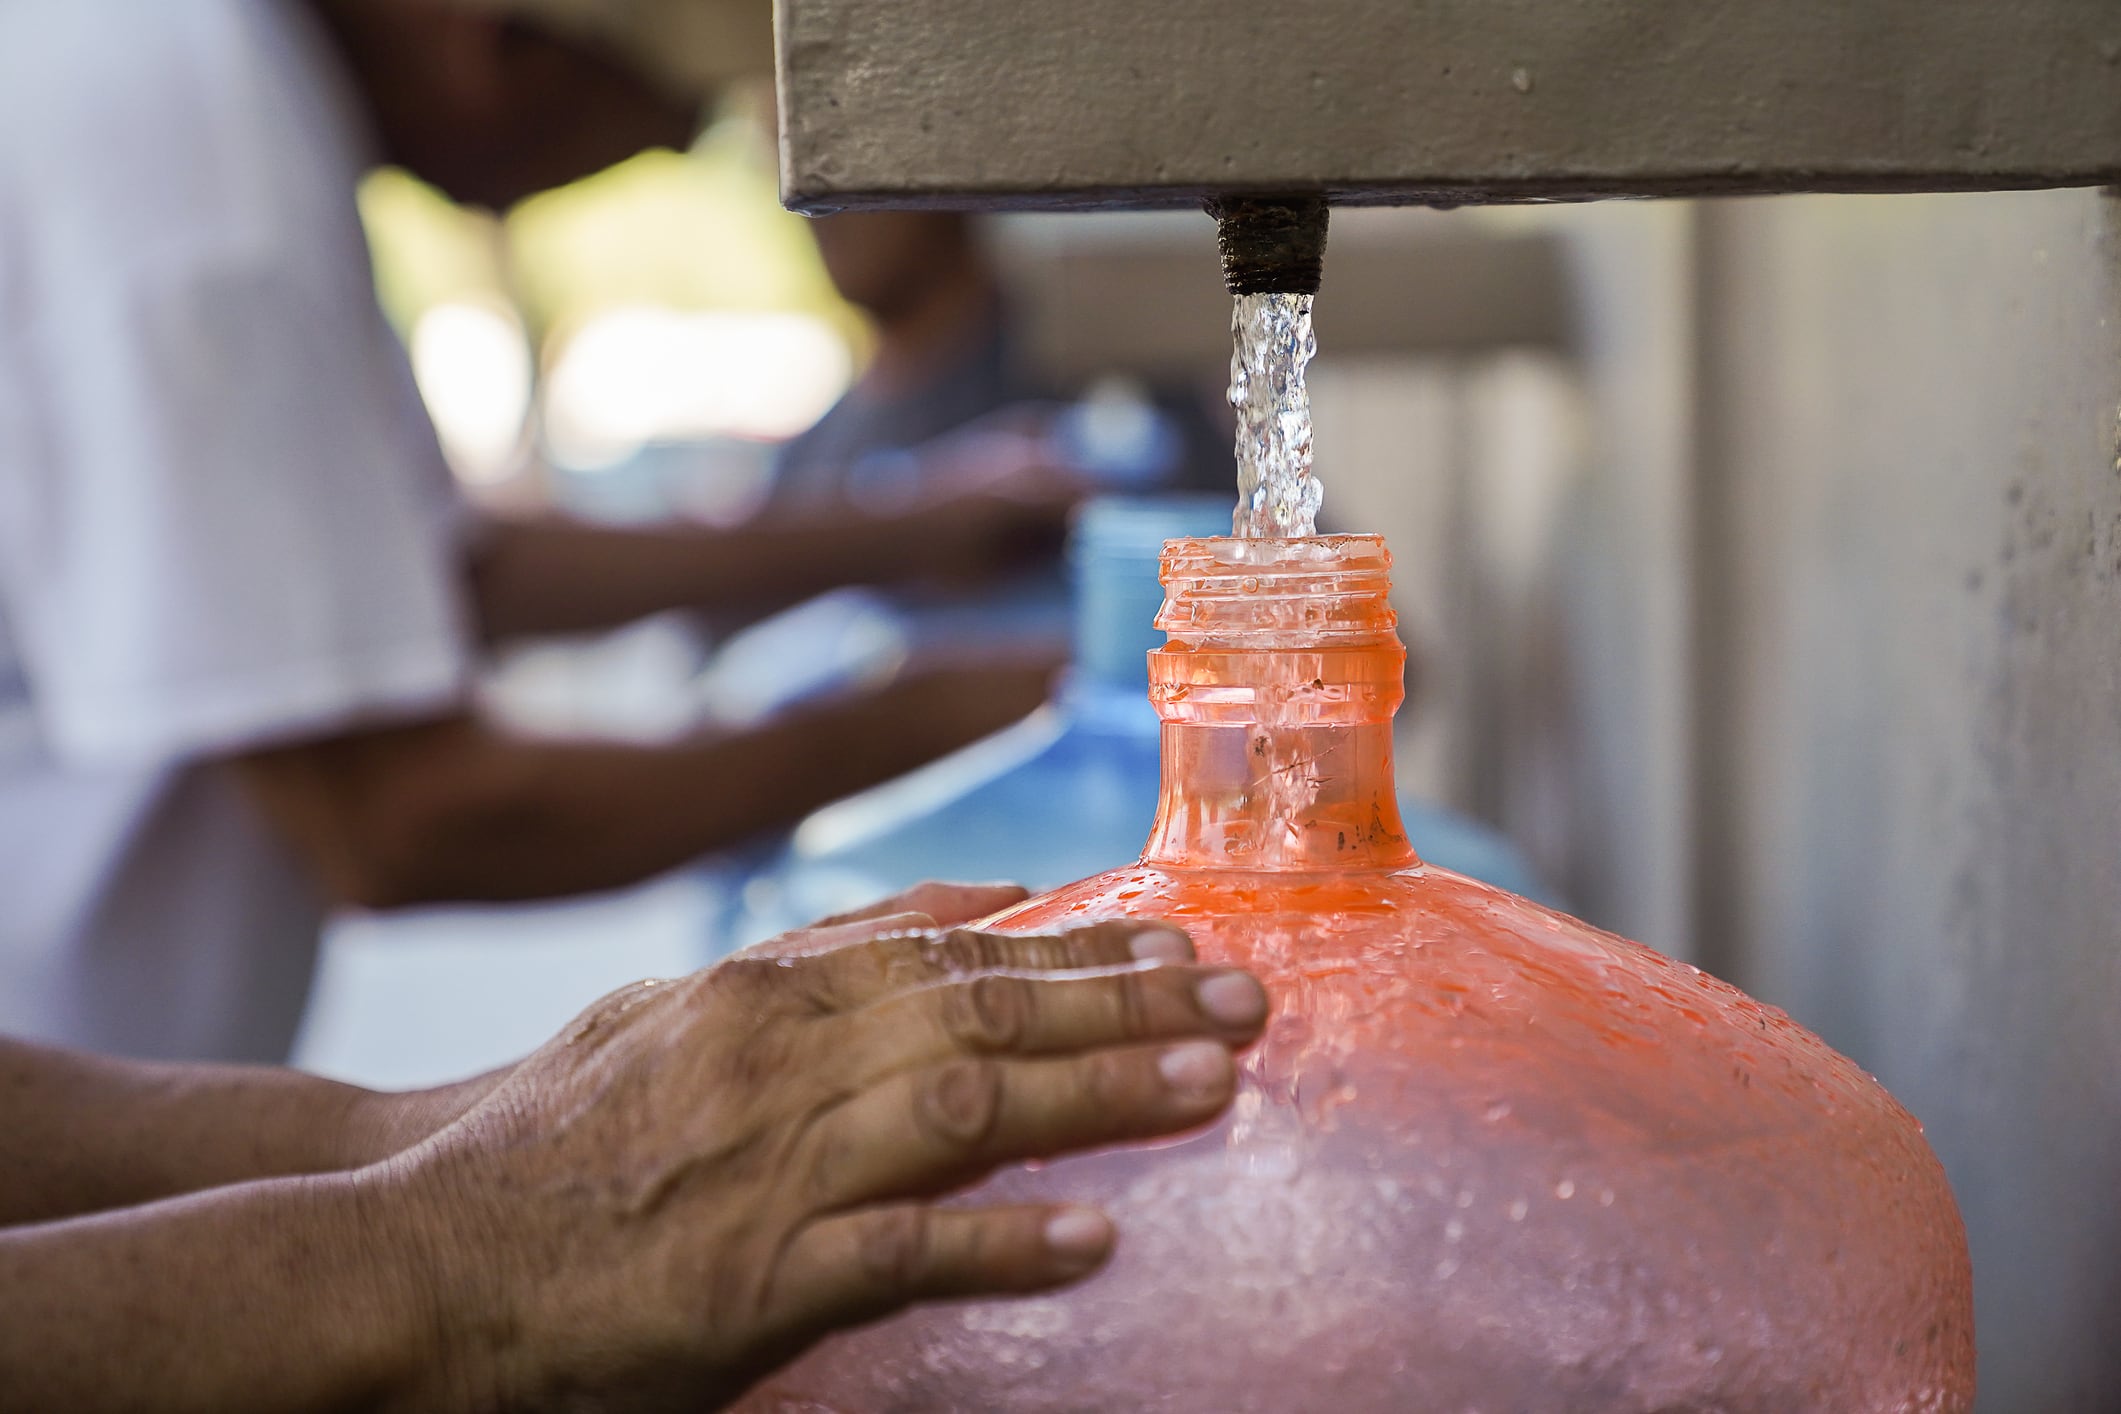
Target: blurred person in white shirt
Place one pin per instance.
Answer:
(240, 602)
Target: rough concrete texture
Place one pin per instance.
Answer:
(1116, 101)
(1910, 557)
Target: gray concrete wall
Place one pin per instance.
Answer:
(1624, 564)
(1908, 703)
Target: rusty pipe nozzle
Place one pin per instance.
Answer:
(1270, 244)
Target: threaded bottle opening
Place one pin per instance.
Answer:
(1276, 693)
(1318, 591)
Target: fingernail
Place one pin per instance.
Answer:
(1196, 1067)
(1163, 945)
(1233, 998)
(1078, 1234)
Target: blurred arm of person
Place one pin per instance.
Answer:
(532, 114)
(454, 808)
(553, 575)
(676, 1195)
(942, 384)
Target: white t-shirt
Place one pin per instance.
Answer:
(224, 517)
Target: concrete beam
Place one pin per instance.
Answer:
(1157, 102)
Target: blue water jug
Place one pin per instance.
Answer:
(1071, 790)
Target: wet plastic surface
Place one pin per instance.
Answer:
(1487, 1158)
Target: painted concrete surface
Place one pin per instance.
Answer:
(1116, 101)
(1911, 702)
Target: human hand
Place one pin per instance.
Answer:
(377, 1124)
(701, 1177)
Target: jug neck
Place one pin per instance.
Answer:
(1276, 689)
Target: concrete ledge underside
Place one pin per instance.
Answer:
(1157, 102)
(1163, 310)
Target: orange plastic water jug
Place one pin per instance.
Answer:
(1487, 1158)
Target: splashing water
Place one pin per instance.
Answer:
(1272, 345)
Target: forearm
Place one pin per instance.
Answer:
(549, 819)
(289, 1295)
(82, 1133)
(556, 576)
(458, 810)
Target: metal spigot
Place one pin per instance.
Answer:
(1270, 244)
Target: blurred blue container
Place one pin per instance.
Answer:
(1068, 792)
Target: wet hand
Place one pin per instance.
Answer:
(701, 1177)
